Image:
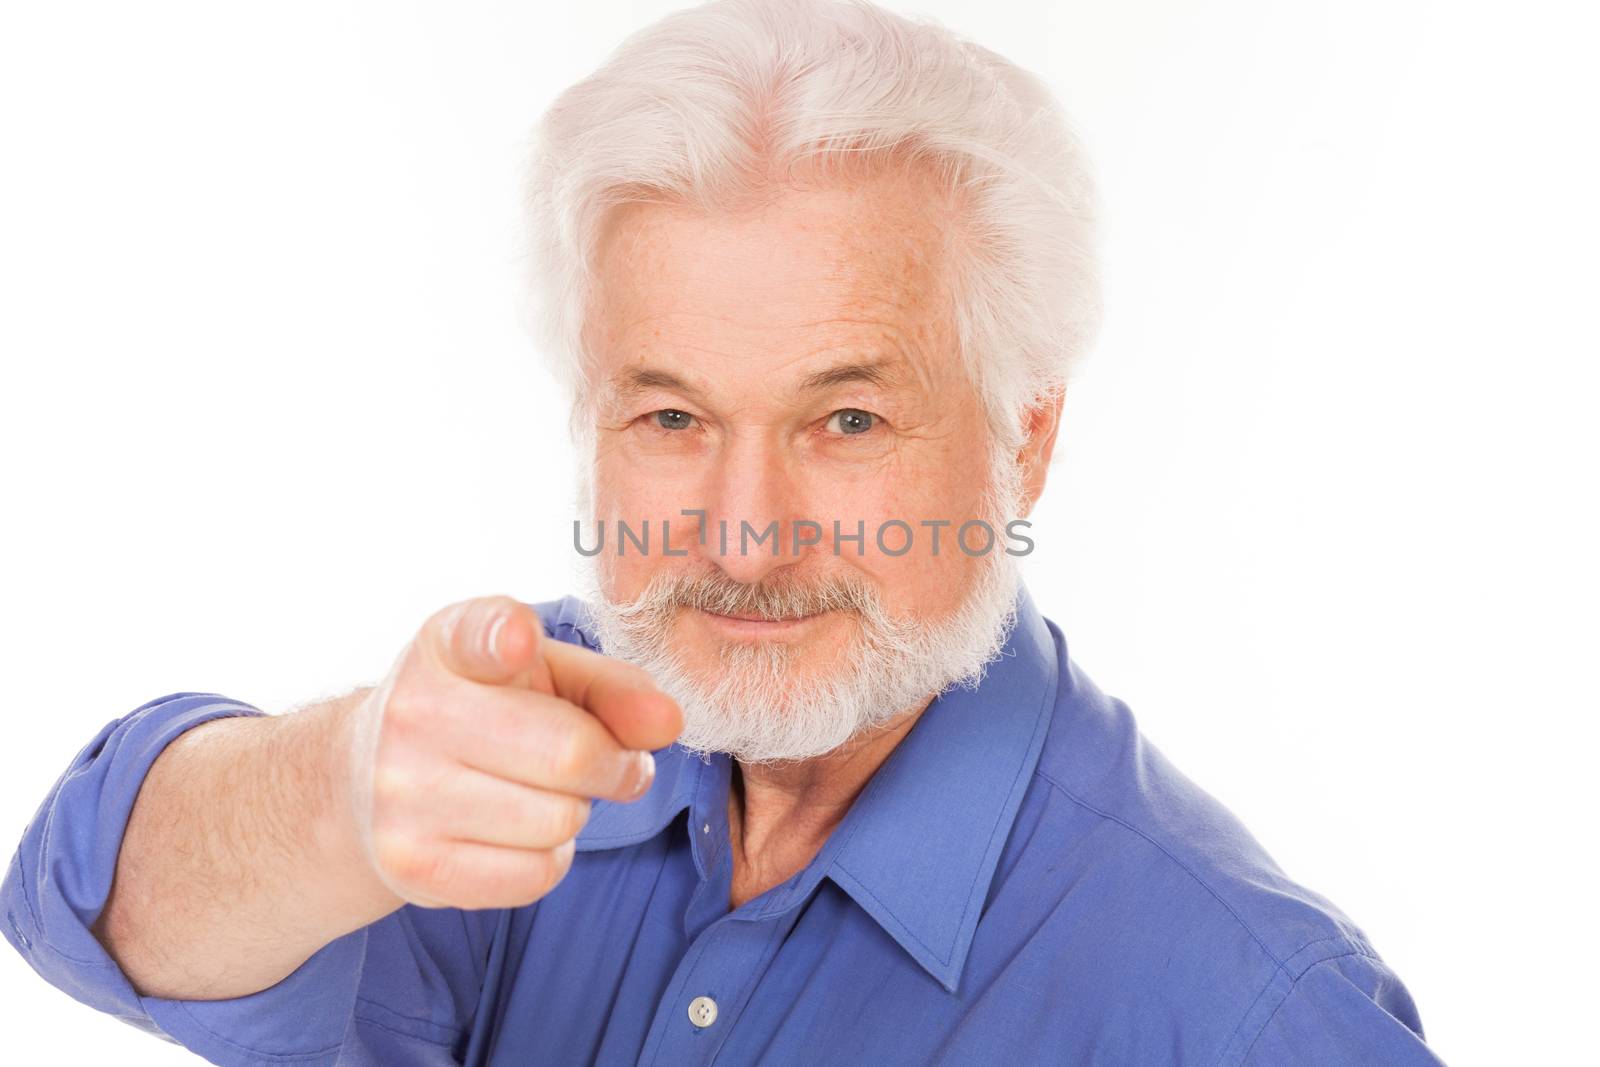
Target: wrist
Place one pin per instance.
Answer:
(341, 865)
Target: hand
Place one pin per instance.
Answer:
(472, 766)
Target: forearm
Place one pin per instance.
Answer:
(240, 859)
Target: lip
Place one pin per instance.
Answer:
(750, 626)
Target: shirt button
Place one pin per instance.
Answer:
(702, 1011)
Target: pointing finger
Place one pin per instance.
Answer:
(616, 692)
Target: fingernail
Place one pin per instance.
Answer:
(493, 639)
(641, 773)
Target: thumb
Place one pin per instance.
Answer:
(493, 640)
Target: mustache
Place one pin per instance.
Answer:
(777, 598)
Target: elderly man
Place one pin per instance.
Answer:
(837, 797)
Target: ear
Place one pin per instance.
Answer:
(1039, 425)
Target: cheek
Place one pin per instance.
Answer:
(625, 488)
(624, 492)
(920, 580)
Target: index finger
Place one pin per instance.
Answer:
(619, 694)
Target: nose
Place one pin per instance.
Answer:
(752, 502)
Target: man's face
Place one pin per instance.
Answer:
(792, 363)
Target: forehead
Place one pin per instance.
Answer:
(857, 263)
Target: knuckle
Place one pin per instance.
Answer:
(560, 863)
(563, 817)
(443, 870)
(417, 709)
(463, 615)
(566, 755)
(444, 621)
(549, 871)
(534, 876)
(407, 790)
(407, 709)
(404, 858)
(391, 786)
(544, 871)
(440, 869)
(578, 810)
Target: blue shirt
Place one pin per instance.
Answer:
(1025, 880)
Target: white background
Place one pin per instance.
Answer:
(1325, 507)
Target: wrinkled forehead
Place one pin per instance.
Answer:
(815, 268)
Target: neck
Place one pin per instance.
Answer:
(780, 815)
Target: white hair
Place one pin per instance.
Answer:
(717, 104)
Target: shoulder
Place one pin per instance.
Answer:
(1181, 902)
(1143, 838)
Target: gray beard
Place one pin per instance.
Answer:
(757, 705)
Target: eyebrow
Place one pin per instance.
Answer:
(869, 372)
(636, 380)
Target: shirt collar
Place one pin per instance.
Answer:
(919, 847)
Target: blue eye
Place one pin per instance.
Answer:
(850, 420)
(669, 419)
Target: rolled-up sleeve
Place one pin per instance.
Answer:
(60, 877)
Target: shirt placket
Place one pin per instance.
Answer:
(728, 950)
